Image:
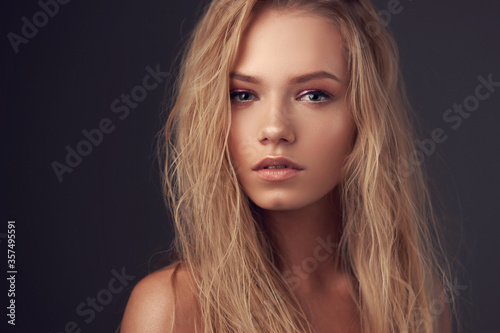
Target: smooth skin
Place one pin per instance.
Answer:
(152, 300)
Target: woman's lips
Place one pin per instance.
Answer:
(276, 161)
(274, 175)
(277, 168)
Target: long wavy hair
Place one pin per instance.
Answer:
(389, 242)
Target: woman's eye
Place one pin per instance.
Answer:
(315, 96)
(241, 96)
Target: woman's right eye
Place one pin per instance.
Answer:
(241, 96)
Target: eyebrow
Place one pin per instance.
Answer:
(298, 79)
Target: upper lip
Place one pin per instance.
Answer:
(276, 161)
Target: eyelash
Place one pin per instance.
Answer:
(325, 95)
(234, 93)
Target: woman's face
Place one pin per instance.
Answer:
(288, 87)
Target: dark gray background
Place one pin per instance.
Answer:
(108, 213)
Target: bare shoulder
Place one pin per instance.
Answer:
(150, 308)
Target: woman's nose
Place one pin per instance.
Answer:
(277, 124)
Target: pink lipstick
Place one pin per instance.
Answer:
(277, 169)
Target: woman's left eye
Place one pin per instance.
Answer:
(315, 96)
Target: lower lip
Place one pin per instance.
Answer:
(276, 175)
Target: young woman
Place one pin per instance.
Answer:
(291, 175)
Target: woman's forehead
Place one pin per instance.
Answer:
(289, 43)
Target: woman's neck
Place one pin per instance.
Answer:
(307, 242)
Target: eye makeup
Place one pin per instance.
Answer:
(322, 95)
(318, 96)
(241, 95)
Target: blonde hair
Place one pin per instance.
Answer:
(389, 241)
